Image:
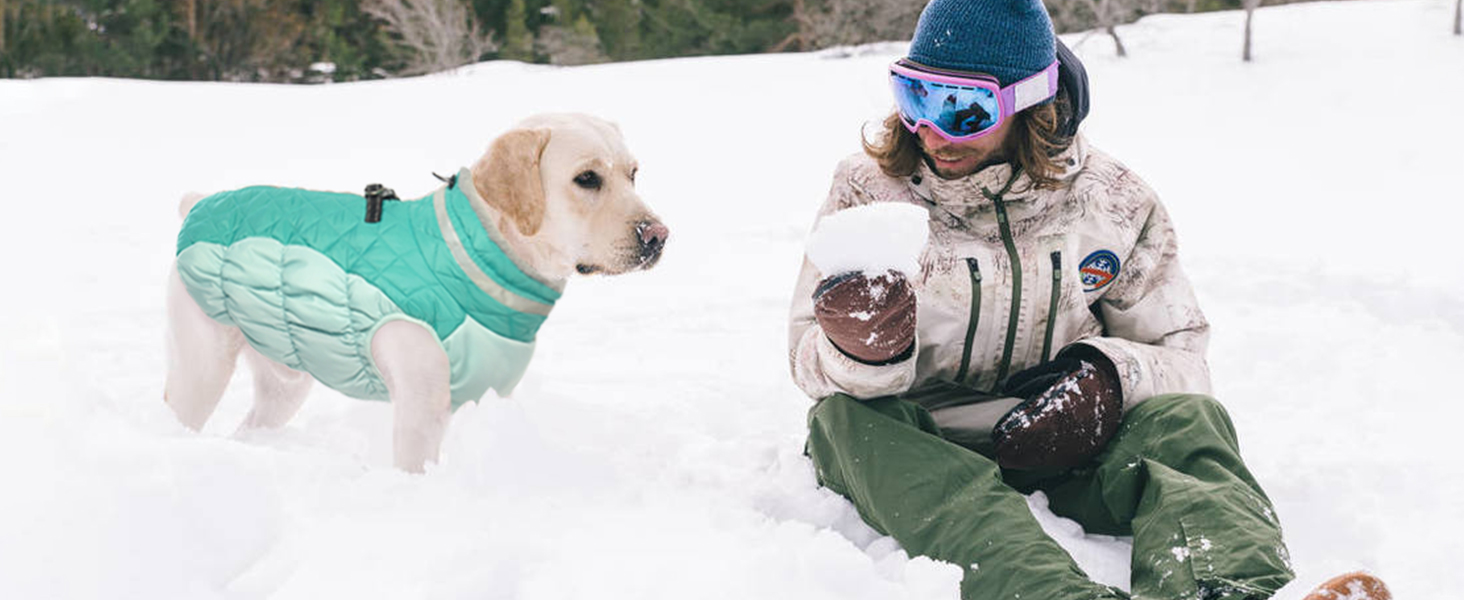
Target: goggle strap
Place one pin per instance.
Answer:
(1033, 90)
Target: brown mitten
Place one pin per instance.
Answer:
(1351, 586)
(1073, 408)
(869, 318)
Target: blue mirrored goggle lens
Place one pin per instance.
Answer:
(957, 110)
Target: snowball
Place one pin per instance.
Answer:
(872, 238)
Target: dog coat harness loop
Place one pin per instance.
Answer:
(375, 195)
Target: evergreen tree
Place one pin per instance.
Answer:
(673, 28)
(565, 11)
(617, 23)
(278, 40)
(340, 34)
(569, 38)
(694, 27)
(518, 42)
(249, 40)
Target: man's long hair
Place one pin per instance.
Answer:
(1034, 142)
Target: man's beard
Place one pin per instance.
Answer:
(982, 160)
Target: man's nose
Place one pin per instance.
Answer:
(930, 139)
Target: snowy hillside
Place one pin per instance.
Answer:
(654, 448)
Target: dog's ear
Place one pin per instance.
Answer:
(508, 177)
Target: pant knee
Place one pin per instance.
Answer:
(1182, 431)
(841, 411)
(829, 410)
(836, 402)
(1189, 407)
(1173, 425)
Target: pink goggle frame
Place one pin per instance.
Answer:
(959, 106)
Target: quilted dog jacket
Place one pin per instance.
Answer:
(308, 281)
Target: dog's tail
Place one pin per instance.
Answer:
(187, 203)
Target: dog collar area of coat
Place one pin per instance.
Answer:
(476, 248)
(309, 282)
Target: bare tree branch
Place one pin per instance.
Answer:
(1117, 42)
(190, 10)
(1458, 17)
(1082, 40)
(1100, 16)
(440, 34)
(1250, 12)
(825, 23)
(1108, 14)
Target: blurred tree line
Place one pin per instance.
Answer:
(344, 40)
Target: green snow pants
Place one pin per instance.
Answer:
(1171, 477)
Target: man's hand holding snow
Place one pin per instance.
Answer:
(1074, 406)
(864, 303)
(869, 318)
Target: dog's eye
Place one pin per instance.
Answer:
(589, 180)
(633, 173)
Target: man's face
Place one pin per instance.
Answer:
(954, 160)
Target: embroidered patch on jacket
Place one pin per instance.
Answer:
(1098, 269)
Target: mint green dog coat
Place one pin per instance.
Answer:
(308, 281)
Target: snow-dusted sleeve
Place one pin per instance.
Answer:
(819, 368)
(1154, 331)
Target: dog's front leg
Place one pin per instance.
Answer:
(417, 377)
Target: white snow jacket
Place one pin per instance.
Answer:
(1009, 280)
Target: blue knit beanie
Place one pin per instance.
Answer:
(1009, 39)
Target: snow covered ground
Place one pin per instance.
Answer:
(654, 449)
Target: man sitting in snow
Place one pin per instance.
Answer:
(1058, 345)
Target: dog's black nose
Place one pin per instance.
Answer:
(653, 238)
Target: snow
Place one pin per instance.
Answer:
(654, 450)
(873, 238)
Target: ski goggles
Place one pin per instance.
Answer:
(962, 107)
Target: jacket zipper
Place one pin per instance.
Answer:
(1011, 248)
(975, 318)
(1052, 305)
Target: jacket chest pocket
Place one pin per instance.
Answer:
(1010, 307)
(1038, 324)
(1064, 317)
(1055, 290)
(1002, 322)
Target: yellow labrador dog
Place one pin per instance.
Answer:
(426, 303)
